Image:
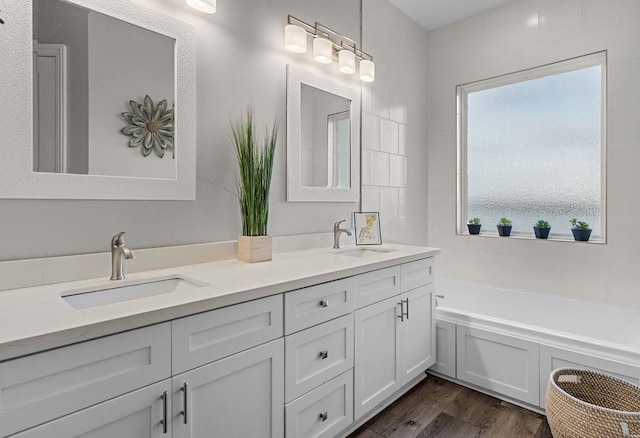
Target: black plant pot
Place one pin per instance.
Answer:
(581, 235)
(474, 229)
(541, 233)
(504, 230)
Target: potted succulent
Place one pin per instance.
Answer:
(580, 230)
(473, 225)
(504, 227)
(541, 229)
(255, 167)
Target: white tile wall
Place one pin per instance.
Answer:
(394, 118)
(517, 36)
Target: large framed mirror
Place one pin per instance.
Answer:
(323, 138)
(100, 102)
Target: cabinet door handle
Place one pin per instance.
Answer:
(401, 316)
(324, 415)
(407, 314)
(324, 303)
(324, 354)
(164, 412)
(185, 400)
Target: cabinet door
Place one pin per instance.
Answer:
(139, 414)
(377, 354)
(239, 396)
(418, 332)
(501, 363)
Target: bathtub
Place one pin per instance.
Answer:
(506, 342)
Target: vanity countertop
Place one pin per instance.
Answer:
(37, 318)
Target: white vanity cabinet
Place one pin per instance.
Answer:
(394, 338)
(305, 363)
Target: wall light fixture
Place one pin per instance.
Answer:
(328, 45)
(206, 6)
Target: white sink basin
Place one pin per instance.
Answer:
(362, 252)
(118, 292)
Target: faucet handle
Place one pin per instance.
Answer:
(117, 240)
(337, 224)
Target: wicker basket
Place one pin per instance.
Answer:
(587, 404)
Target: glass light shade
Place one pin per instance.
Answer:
(322, 50)
(367, 70)
(206, 6)
(295, 38)
(346, 62)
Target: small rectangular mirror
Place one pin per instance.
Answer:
(323, 138)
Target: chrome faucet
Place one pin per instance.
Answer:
(119, 253)
(337, 231)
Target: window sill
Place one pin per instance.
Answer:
(559, 238)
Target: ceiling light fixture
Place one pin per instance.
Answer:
(326, 43)
(206, 6)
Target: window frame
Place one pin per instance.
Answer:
(462, 92)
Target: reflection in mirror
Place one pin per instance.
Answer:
(87, 68)
(323, 137)
(326, 139)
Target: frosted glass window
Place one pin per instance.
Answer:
(532, 147)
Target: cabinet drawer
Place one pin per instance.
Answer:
(307, 307)
(323, 412)
(316, 355)
(376, 286)
(416, 274)
(41, 387)
(209, 336)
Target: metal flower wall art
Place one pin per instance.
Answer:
(150, 126)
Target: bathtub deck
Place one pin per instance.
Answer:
(439, 408)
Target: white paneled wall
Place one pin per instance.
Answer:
(394, 132)
(517, 36)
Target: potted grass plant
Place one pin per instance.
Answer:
(474, 225)
(504, 227)
(255, 167)
(581, 230)
(541, 229)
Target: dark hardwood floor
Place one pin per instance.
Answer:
(439, 408)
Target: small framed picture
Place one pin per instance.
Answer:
(367, 227)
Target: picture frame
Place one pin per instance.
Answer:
(367, 228)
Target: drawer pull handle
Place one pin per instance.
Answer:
(164, 412)
(401, 316)
(324, 303)
(324, 354)
(324, 415)
(185, 398)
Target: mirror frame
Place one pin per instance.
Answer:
(296, 192)
(17, 178)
